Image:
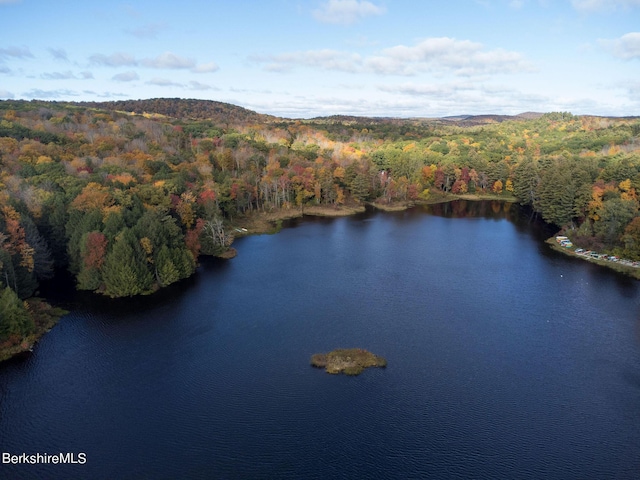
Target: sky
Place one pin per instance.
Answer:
(308, 58)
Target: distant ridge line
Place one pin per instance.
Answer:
(230, 114)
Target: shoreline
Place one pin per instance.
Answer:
(442, 198)
(45, 318)
(629, 271)
(257, 223)
(271, 222)
(260, 223)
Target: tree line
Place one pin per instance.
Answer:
(128, 201)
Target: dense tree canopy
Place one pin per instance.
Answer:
(127, 201)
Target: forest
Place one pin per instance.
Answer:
(127, 195)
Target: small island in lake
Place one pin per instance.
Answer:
(350, 361)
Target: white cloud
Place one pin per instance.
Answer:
(600, 5)
(575, 104)
(163, 82)
(626, 47)
(6, 94)
(250, 90)
(58, 75)
(117, 59)
(346, 11)
(200, 86)
(205, 68)
(461, 57)
(436, 99)
(43, 94)
(468, 98)
(125, 77)
(106, 94)
(429, 90)
(310, 106)
(58, 54)
(86, 75)
(168, 60)
(15, 52)
(323, 59)
(5, 69)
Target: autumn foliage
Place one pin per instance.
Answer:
(128, 201)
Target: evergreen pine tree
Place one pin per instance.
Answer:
(124, 271)
(525, 181)
(14, 317)
(166, 271)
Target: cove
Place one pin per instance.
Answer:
(505, 360)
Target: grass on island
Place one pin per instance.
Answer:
(350, 361)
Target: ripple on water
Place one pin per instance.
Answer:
(498, 366)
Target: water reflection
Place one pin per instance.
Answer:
(493, 209)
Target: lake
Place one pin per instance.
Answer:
(505, 360)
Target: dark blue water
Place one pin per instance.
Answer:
(505, 360)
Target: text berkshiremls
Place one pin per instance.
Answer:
(37, 458)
